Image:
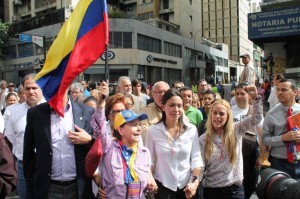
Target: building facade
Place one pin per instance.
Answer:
(153, 49)
(226, 22)
(277, 30)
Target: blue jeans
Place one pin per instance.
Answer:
(24, 191)
(283, 165)
(21, 183)
(230, 192)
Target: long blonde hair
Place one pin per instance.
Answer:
(229, 137)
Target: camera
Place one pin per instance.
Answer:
(274, 184)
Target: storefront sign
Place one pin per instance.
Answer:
(110, 55)
(275, 23)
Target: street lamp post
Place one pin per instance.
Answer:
(195, 54)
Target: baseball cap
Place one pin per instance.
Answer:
(127, 116)
(245, 55)
(11, 84)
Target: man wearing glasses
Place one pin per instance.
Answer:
(76, 89)
(154, 109)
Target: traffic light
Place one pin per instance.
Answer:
(268, 62)
(271, 63)
(265, 62)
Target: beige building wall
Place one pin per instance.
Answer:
(185, 14)
(226, 22)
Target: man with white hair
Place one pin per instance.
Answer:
(125, 87)
(76, 90)
(154, 109)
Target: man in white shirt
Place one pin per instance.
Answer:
(240, 111)
(248, 74)
(15, 128)
(137, 90)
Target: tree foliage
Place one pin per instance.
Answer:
(3, 36)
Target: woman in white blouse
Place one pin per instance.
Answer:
(221, 149)
(174, 148)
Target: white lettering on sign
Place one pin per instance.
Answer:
(276, 22)
(293, 20)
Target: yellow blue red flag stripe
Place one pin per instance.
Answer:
(80, 42)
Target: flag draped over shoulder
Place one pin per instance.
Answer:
(80, 42)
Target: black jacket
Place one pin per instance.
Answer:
(37, 155)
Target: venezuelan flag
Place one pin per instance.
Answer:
(80, 42)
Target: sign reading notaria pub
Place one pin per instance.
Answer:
(275, 23)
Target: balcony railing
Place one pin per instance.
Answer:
(50, 18)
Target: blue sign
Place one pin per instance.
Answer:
(25, 38)
(275, 23)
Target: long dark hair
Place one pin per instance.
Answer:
(168, 95)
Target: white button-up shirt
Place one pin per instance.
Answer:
(16, 117)
(63, 159)
(173, 160)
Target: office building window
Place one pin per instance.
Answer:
(127, 40)
(146, 15)
(191, 2)
(10, 52)
(172, 49)
(165, 4)
(188, 53)
(25, 50)
(116, 41)
(225, 62)
(172, 75)
(120, 39)
(191, 18)
(148, 44)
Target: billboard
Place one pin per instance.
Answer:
(275, 23)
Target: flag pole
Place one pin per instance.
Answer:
(106, 63)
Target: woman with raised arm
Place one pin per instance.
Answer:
(221, 149)
(125, 166)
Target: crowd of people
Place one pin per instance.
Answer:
(163, 141)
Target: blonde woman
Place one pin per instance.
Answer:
(221, 148)
(195, 101)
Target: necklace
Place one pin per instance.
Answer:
(172, 135)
